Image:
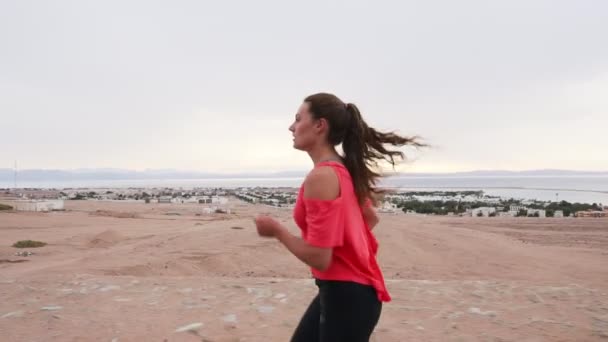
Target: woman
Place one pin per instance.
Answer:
(334, 211)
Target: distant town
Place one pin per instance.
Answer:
(451, 203)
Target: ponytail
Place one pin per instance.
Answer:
(363, 147)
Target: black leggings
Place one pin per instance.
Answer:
(342, 311)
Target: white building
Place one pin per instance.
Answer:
(533, 212)
(271, 201)
(558, 214)
(204, 199)
(507, 213)
(181, 200)
(36, 205)
(388, 207)
(219, 200)
(165, 199)
(517, 208)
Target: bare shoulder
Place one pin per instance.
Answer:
(322, 183)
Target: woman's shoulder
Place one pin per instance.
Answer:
(322, 183)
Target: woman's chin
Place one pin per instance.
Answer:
(297, 147)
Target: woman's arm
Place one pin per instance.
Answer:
(370, 216)
(321, 184)
(315, 257)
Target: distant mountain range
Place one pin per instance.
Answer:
(7, 175)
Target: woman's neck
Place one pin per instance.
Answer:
(324, 154)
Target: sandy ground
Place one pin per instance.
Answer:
(149, 272)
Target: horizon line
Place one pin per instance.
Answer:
(162, 170)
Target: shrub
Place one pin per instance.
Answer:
(5, 207)
(29, 244)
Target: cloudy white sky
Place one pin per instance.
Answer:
(213, 86)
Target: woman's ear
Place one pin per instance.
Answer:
(322, 125)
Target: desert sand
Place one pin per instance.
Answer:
(117, 271)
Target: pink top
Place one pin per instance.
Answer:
(339, 224)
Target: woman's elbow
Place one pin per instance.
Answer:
(373, 221)
(322, 261)
(322, 267)
(370, 217)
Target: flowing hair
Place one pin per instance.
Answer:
(363, 145)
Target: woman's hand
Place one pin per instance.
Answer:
(267, 226)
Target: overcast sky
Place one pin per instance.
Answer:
(214, 85)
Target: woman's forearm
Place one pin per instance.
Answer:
(315, 257)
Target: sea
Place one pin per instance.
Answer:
(582, 189)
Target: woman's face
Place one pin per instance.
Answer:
(305, 129)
